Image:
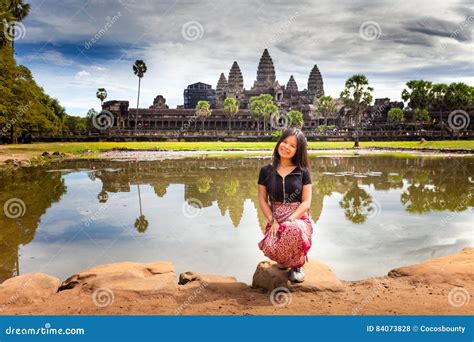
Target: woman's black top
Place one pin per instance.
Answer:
(288, 189)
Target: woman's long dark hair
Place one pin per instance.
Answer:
(301, 156)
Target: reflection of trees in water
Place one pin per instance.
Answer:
(103, 196)
(204, 184)
(232, 181)
(141, 224)
(431, 189)
(38, 190)
(426, 184)
(356, 204)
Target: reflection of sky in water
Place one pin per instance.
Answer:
(67, 240)
(391, 239)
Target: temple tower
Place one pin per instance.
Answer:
(235, 83)
(265, 73)
(291, 86)
(315, 83)
(221, 90)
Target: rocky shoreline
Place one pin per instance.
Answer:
(441, 286)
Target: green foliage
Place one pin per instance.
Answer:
(326, 106)
(295, 118)
(438, 96)
(25, 109)
(459, 96)
(101, 94)
(324, 128)
(395, 115)
(11, 11)
(231, 106)
(203, 109)
(424, 95)
(417, 93)
(76, 124)
(357, 94)
(276, 134)
(24, 106)
(262, 106)
(422, 114)
(139, 68)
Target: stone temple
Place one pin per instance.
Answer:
(288, 97)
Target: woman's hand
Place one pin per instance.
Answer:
(274, 228)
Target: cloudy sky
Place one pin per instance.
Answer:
(76, 46)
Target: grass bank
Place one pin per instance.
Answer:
(95, 147)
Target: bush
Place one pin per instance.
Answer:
(395, 115)
(276, 135)
(325, 128)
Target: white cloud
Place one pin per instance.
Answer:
(82, 75)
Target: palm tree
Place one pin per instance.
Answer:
(262, 106)
(19, 11)
(141, 223)
(357, 95)
(231, 107)
(139, 69)
(203, 110)
(101, 95)
(326, 106)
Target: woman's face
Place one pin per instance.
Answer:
(288, 146)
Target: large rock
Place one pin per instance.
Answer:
(451, 269)
(28, 288)
(318, 277)
(142, 278)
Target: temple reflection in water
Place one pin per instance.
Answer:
(425, 184)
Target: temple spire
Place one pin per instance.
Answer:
(291, 86)
(221, 90)
(315, 82)
(221, 84)
(265, 72)
(235, 80)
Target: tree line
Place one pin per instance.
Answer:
(26, 110)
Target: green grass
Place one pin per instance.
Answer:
(95, 147)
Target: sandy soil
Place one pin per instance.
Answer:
(442, 286)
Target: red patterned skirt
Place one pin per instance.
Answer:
(292, 242)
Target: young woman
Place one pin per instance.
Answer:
(286, 182)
